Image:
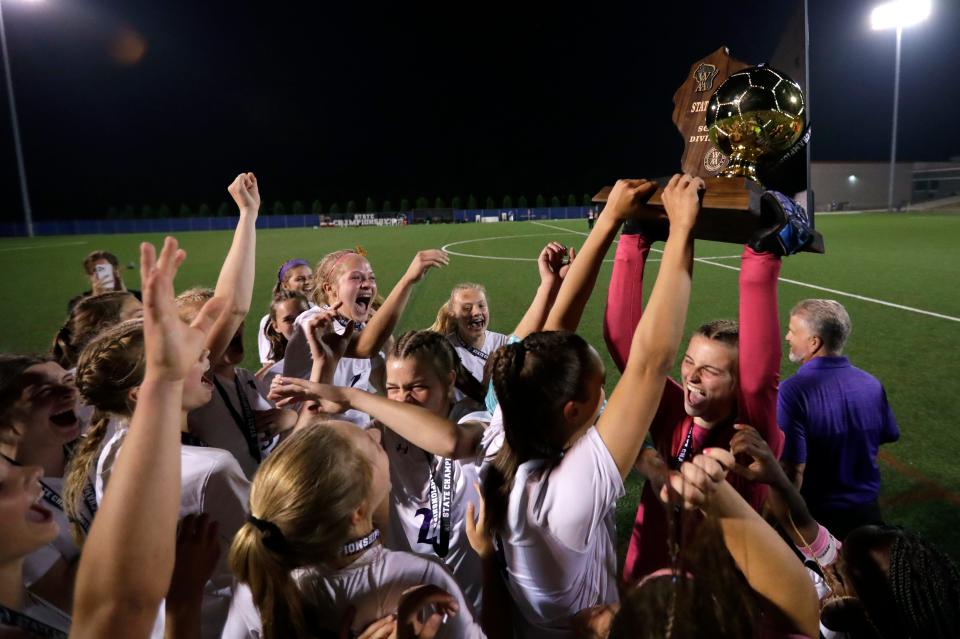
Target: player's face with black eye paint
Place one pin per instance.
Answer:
(414, 381)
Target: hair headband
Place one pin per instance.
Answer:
(289, 264)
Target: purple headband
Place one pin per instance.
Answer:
(289, 264)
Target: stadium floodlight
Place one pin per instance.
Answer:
(897, 15)
(24, 193)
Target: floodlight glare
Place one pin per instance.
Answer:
(899, 14)
(852, 179)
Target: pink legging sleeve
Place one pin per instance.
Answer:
(760, 345)
(625, 296)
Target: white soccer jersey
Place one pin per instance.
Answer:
(212, 482)
(415, 505)
(263, 344)
(41, 560)
(559, 540)
(217, 426)
(350, 373)
(474, 360)
(372, 584)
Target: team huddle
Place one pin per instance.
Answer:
(454, 481)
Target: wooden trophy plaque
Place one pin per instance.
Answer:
(731, 206)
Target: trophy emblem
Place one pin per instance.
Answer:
(714, 161)
(704, 76)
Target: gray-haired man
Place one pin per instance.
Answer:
(834, 417)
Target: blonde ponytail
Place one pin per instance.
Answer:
(76, 478)
(444, 323)
(301, 504)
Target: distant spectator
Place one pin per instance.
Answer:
(834, 417)
(102, 279)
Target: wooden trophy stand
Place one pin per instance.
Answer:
(731, 206)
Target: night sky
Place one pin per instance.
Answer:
(136, 101)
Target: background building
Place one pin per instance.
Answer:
(859, 186)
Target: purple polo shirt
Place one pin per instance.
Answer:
(834, 417)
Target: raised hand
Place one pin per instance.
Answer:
(412, 603)
(325, 344)
(763, 465)
(478, 533)
(288, 390)
(423, 261)
(550, 261)
(628, 198)
(565, 268)
(698, 479)
(681, 199)
(245, 193)
(198, 548)
(172, 346)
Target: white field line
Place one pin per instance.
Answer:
(706, 260)
(446, 247)
(34, 246)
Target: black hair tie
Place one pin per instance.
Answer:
(271, 535)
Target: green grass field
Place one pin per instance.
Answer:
(909, 260)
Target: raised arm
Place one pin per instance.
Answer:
(759, 350)
(633, 404)
(432, 433)
(625, 200)
(552, 270)
(235, 283)
(784, 501)
(380, 327)
(625, 295)
(120, 584)
(768, 564)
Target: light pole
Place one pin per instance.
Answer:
(21, 170)
(897, 15)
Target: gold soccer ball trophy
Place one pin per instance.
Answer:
(756, 113)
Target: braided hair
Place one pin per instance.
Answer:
(110, 366)
(533, 380)
(926, 587)
(436, 350)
